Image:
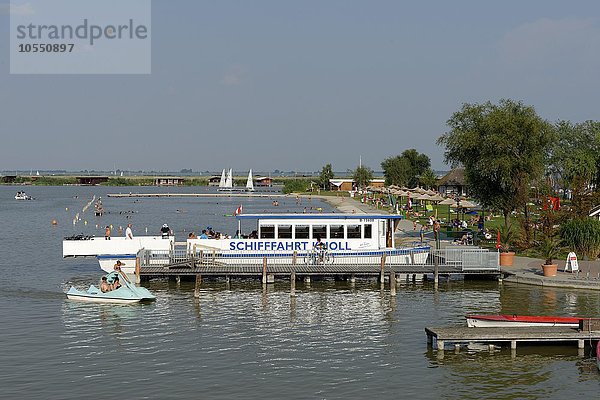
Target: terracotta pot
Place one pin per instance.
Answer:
(506, 259)
(550, 269)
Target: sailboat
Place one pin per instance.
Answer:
(250, 182)
(226, 182)
(222, 181)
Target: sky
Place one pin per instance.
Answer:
(294, 85)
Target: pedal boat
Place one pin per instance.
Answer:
(126, 294)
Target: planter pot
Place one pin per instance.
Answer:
(506, 259)
(550, 269)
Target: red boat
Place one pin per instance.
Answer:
(503, 320)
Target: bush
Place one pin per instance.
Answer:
(582, 235)
(296, 186)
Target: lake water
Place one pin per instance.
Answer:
(241, 341)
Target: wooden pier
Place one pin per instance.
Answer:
(222, 194)
(463, 335)
(398, 267)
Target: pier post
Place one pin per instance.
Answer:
(197, 286)
(293, 283)
(201, 255)
(392, 283)
(264, 271)
(178, 280)
(381, 271)
(436, 269)
(137, 270)
(192, 261)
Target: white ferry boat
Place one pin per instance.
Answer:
(347, 238)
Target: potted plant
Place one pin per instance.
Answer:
(550, 248)
(507, 237)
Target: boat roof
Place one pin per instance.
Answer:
(319, 216)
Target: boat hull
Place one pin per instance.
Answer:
(508, 321)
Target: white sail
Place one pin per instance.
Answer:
(229, 179)
(250, 182)
(222, 181)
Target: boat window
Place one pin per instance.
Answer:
(284, 231)
(267, 232)
(336, 231)
(368, 231)
(354, 232)
(320, 231)
(301, 231)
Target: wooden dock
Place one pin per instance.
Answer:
(222, 195)
(463, 335)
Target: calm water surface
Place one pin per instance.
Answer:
(241, 341)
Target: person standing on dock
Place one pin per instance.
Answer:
(165, 231)
(107, 233)
(128, 232)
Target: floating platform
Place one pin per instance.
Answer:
(463, 335)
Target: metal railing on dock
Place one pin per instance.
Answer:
(185, 261)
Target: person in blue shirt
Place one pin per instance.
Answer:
(203, 235)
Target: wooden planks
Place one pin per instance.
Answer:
(509, 335)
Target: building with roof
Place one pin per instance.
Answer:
(453, 183)
(349, 185)
(168, 181)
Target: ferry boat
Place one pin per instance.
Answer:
(346, 238)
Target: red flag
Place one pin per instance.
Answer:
(498, 245)
(238, 211)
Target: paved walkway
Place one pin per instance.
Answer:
(529, 271)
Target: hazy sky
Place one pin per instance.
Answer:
(293, 85)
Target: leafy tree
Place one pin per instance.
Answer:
(362, 176)
(576, 153)
(502, 147)
(406, 168)
(325, 176)
(428, 179)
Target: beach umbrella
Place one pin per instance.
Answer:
(448, 202)
(467, 204)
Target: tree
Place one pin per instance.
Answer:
(502, 147)
(428, 179)
(575, 154)
(325, 176)
(362, 176)
(406, 168)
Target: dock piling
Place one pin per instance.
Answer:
(197, 286)
(293, 283)
(392, 283)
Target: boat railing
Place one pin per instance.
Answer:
(463, 259)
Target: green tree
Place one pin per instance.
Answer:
(325, 176)
(406, 168)
(362, 176)
(502, 147)
(428, 179)
(576, 153)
